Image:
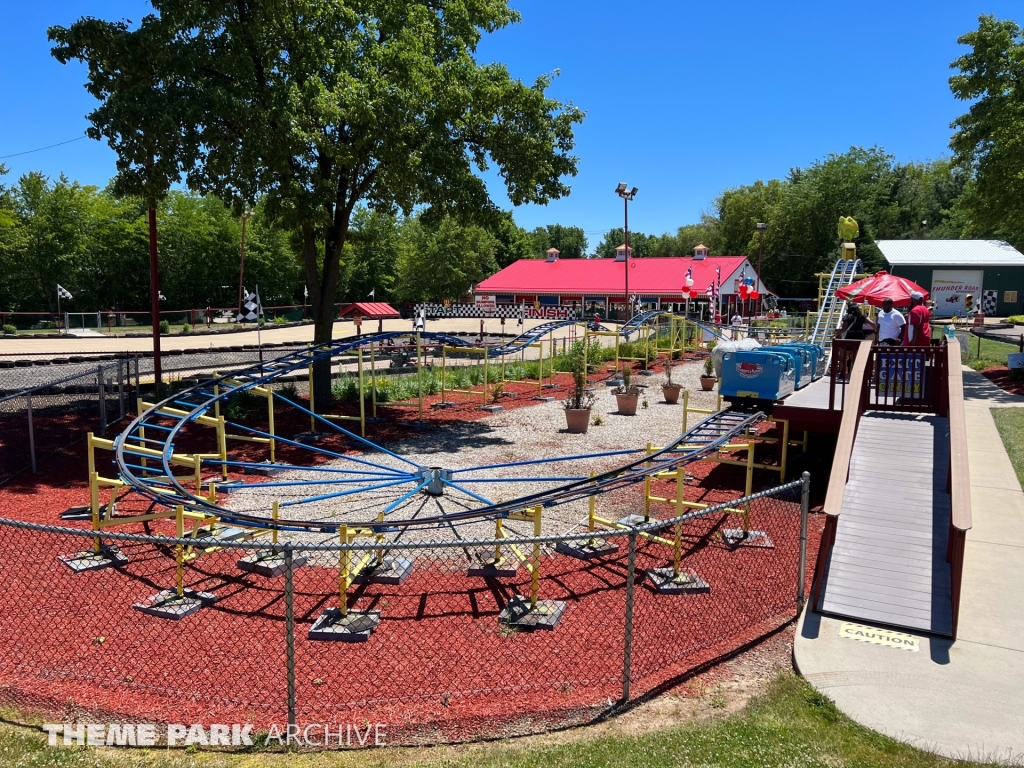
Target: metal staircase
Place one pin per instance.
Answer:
(830, 306)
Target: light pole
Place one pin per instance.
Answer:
(761, 228)
(626, 195)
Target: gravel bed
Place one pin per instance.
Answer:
(524, 434)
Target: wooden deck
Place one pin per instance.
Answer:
(807, 408)
(888, 564)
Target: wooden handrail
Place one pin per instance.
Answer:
(852, 409)
(959, 469)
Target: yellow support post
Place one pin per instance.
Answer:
(785, 450)
(499, 534)
(373, 379)
(270, 424)
(677, 548)
(686, 408)
(484, 357)
(222, 440)
(344, 561)
(139, 407)
(380, 540)
(444, 362)
(535, 587)
(647, 489)
(211, 492)
(419, 374)
(179, 530)
(362, 394)
(273, 515)
(197, 462)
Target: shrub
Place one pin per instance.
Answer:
(186, 328)
(10, 329)
(165, 326)
(1016, 319)
(280, 320)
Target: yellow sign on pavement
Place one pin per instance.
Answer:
(886, 637)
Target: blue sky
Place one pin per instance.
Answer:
(682, 98)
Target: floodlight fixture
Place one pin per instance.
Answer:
(621, 189)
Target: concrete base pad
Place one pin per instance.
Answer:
(266, 471)
(687, 582)
(613, 382)
(505, 568)
(269, 564)
(588, 549)
(90, 560)
(355, 627)
(309, 437)
(492, 408)
(221, 533)
(393, 571)
(734, 537)
(549, 386)
(169, 605)
(517, 613)
(634, 520)
(447, 404)
(543, 399)
(76, 513)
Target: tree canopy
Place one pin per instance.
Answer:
(317, 106)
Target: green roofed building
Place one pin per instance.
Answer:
(990, 272)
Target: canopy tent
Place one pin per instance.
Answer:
(881, 285)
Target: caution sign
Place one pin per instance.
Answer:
(886, 637)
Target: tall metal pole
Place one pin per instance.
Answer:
(760, 248)
(629, 306)
(154, 295)
(805, 507)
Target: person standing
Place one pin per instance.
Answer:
(853, 324)
(891, 324)
(736, 323)
(918, 329)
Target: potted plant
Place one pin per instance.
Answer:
(670, 389)
(707, 378)
(627, 394)
(577, 405)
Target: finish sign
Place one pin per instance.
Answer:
(876, 636)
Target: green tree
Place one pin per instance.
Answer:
(988, 140)
(513, 242)
(639, 243)
(373, 264)
(443, 260)
(321, 106)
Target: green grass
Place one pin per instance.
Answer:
(789, 725)
(989, 354)
(1010, 423)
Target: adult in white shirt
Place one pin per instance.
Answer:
(891, 324)
(736, 323)
(783, 314)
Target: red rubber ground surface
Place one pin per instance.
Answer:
(439, 667)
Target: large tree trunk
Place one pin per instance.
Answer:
(322, 289)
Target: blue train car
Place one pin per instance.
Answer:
(801, 363)
(760, 374)
(817, 355)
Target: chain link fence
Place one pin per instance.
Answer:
(443, 658)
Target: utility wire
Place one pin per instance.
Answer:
(40, 149)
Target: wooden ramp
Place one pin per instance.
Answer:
(888, 564)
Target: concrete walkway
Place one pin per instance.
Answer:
(961, 699)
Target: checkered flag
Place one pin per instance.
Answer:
(63, 292)
(251, 308)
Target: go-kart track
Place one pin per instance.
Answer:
(466, 583)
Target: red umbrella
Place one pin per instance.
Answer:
(881, 285)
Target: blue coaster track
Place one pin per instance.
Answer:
(163, 423)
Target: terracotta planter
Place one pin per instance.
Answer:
(671, 393)
(577, 420)
(627, 404)
(707, 383)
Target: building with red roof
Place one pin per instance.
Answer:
(598, 285)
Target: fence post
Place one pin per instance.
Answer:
(627, 656)
(101, 393)
(121, 368)
(31, 433)
(805, 508)
(289, 623)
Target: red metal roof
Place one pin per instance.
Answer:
(661, 276)
(370, 310)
